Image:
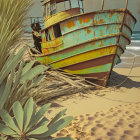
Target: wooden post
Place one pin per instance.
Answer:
(64, 5)
(79, 3)
(102, 5)
(70, 4)
(126, 4)
(45, 8)
(82, 6)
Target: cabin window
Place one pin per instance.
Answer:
(53, 7)
(77, 4)
(81, 6)
(63, 5)
(67, 5)
(48, 9)
(57, 30)
(74, 3)
(48, 37)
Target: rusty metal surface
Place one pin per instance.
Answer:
(121, 10)
(91, 32)
(90, 45)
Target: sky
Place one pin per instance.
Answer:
(93, 5)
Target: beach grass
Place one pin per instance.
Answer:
(12, 17)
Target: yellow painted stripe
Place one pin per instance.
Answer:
(84, 57)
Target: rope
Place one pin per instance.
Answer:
(127, 75)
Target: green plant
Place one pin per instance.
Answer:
(27, 124)
(17, 84)
(13, 14)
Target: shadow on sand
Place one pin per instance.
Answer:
(118, 80)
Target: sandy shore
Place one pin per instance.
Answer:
(112, 113)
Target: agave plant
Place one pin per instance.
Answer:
(17, 84)
(27, 124)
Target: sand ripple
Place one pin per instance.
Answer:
(120, 123)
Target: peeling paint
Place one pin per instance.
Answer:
(87, 37)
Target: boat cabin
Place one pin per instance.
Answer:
(52, 7)
(58, 10)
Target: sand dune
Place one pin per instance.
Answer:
(112, 113)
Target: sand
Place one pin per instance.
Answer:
(112, 113)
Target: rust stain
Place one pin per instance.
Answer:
(101, 44)
(88, 31)
(111, 15)
(84, 19)
(81, 20)
(57, 42)
(48, 45)
(53, 35)
(45, 51)
(101, 32)
(107, 27)
(87, 19)
(93, 43)
(94, 33)
(101, 21)
(70, 24)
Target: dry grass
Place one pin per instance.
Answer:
(12, 17)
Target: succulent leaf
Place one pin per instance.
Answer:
(6, 130)
(2, 88)
(33, 73)
(57, 126)
(44, 121)
(39, 130)
(11, 64)
(57, 117)
(39, 114)
(7, 89)
(37, 80)
(28, 111)
(63, 138)
(18, 76)
(27, 67)
(18, 113)
(7, 119)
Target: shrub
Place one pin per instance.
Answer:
(16, 85)
(27, 124)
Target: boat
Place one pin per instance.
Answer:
(83, 44)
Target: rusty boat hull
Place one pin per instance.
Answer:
(91, 44)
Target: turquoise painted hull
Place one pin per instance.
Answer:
(97, 38)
